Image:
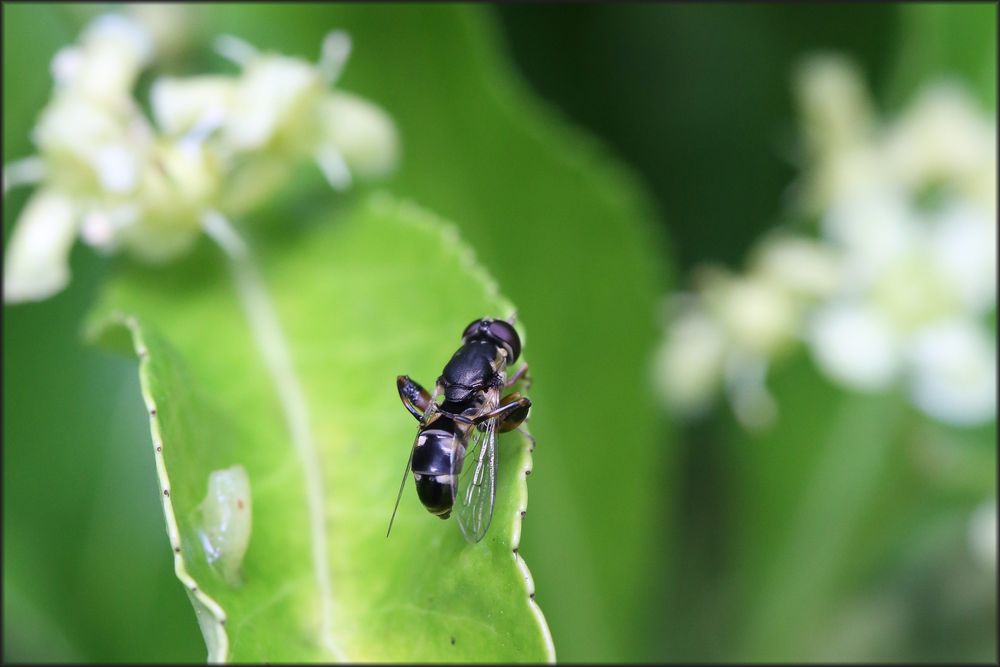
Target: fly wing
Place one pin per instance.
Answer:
(475, 484)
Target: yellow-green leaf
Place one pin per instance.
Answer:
(360, 296)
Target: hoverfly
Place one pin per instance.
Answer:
(453, 458)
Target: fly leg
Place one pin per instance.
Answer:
(520, 374)
(513, 410)
(414, 397)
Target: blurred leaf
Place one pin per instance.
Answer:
(27, 83)
(82, 550)
(961, 461)
(812, 478)
(946, 39)
(793, 499)
(384, 290)
(568, 233)
(714, 143)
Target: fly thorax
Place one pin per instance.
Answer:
(470, 370)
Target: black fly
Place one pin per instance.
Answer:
(463, 426)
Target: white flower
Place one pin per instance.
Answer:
(88, 145)
(221, 145)
(106, 63)
(37, 255)
(22, 172)
(170, 202)
(172, 27)
(844, 175)
(983, 534)
(963, 241)
(182, 104)
(758, 315)
(837, 123)
(940, 137)
(806, 268)
(691, 360)
(273, 103)
(280, 105)
(906, 268)
(871, 231)
(898, 288)
(752, 403)
(854, 346)
(954, 369)
(362, 132)
(835, 106)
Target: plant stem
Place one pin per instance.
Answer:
(275, 351)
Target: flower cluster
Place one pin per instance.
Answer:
(217, 144)
(897, 285)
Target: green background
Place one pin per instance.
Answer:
(839, 537)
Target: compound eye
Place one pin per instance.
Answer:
(473, 328)
(505, 334)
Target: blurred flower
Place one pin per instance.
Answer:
(220, 144)
(983, 534)
(838, 123)
(900, 282)
(806, 268)
(106, 62)
(758, 315)
(172, 27)
(954, 369)
(691, 361)
(282, 106)
(36, 263)
(942, 139)
(853, 346)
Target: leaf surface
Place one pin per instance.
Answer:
(375, 290)
(942, 41)
(569, 233)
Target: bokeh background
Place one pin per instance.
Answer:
(842, 535)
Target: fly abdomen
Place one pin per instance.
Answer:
(434, 494)
(432, 465)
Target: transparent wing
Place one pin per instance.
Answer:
(475, 485)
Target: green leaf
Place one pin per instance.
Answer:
(810, 483)
(363, 295)
(569, 233)
(67, 589)
(946, 40)
(28, 86)
(779, 541)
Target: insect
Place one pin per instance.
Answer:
(453, 457)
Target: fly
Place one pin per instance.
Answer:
(453, 458)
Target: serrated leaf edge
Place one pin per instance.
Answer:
(414, 215)
(211, 617)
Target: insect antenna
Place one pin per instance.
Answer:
(402, 485)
